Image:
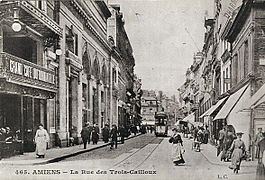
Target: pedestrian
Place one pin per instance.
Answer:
(105, 133)
(200, 135)
(260, 173)
(122, 133)
(95, 134)
(259, 136)
(41, 140)
(177, 148)
(228, 140)
(221, 138)
(114, 136)
(238, 148)
(206, 134)
(85, 134)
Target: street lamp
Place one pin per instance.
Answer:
(16, 26)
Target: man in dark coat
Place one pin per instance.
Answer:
(105, 133)
(114, 136)
(95, 134)
(260, 173)
(85, 135)
(122, 133)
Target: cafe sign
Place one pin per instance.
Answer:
(31, 72)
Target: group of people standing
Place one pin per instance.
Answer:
(201, 134)
(107, 134)
(86, 133)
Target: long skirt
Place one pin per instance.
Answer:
(236, 159)
(177, 157)
(41, 145)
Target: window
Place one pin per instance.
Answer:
(114, 75)
(246, 58)
(102, 96)
(76, 44)
(224, 81)
(69, 41)
(226, 76)
(235, 69)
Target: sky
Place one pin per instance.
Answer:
(164, 34)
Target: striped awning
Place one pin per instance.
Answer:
(210, 111)
(230, 103)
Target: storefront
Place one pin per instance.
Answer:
(208, 116)
(28, 82)
(232, 114)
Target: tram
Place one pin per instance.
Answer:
(161, 124)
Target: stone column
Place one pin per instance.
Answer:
(99, 89)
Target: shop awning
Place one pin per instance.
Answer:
(190, 118)
(210, 111)
(230, 103)
(257, 98)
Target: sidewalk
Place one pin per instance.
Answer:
(54, 154)
(209, 152)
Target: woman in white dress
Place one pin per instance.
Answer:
(177, 148)
(41, 140)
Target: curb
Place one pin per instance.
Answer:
(60, 158)
(57, 159)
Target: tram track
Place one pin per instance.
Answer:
(137, 151)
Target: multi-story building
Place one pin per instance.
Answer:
(233, 70)
(29, 33)
(126, 62)
(63, 63)
(84, 66)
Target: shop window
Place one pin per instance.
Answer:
(51, 111)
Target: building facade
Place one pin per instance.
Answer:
(233, 70)
(63, 64)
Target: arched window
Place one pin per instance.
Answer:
(95, 68)
(104, 75)
(86, 62)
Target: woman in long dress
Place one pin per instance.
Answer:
(239, 149)
(177, 148)
(41, 140)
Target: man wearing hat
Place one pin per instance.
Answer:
(85, 134)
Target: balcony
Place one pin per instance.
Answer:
(19, 71)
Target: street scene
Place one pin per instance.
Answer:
(132, 89)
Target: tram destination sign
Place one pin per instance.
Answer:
(27, 70)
